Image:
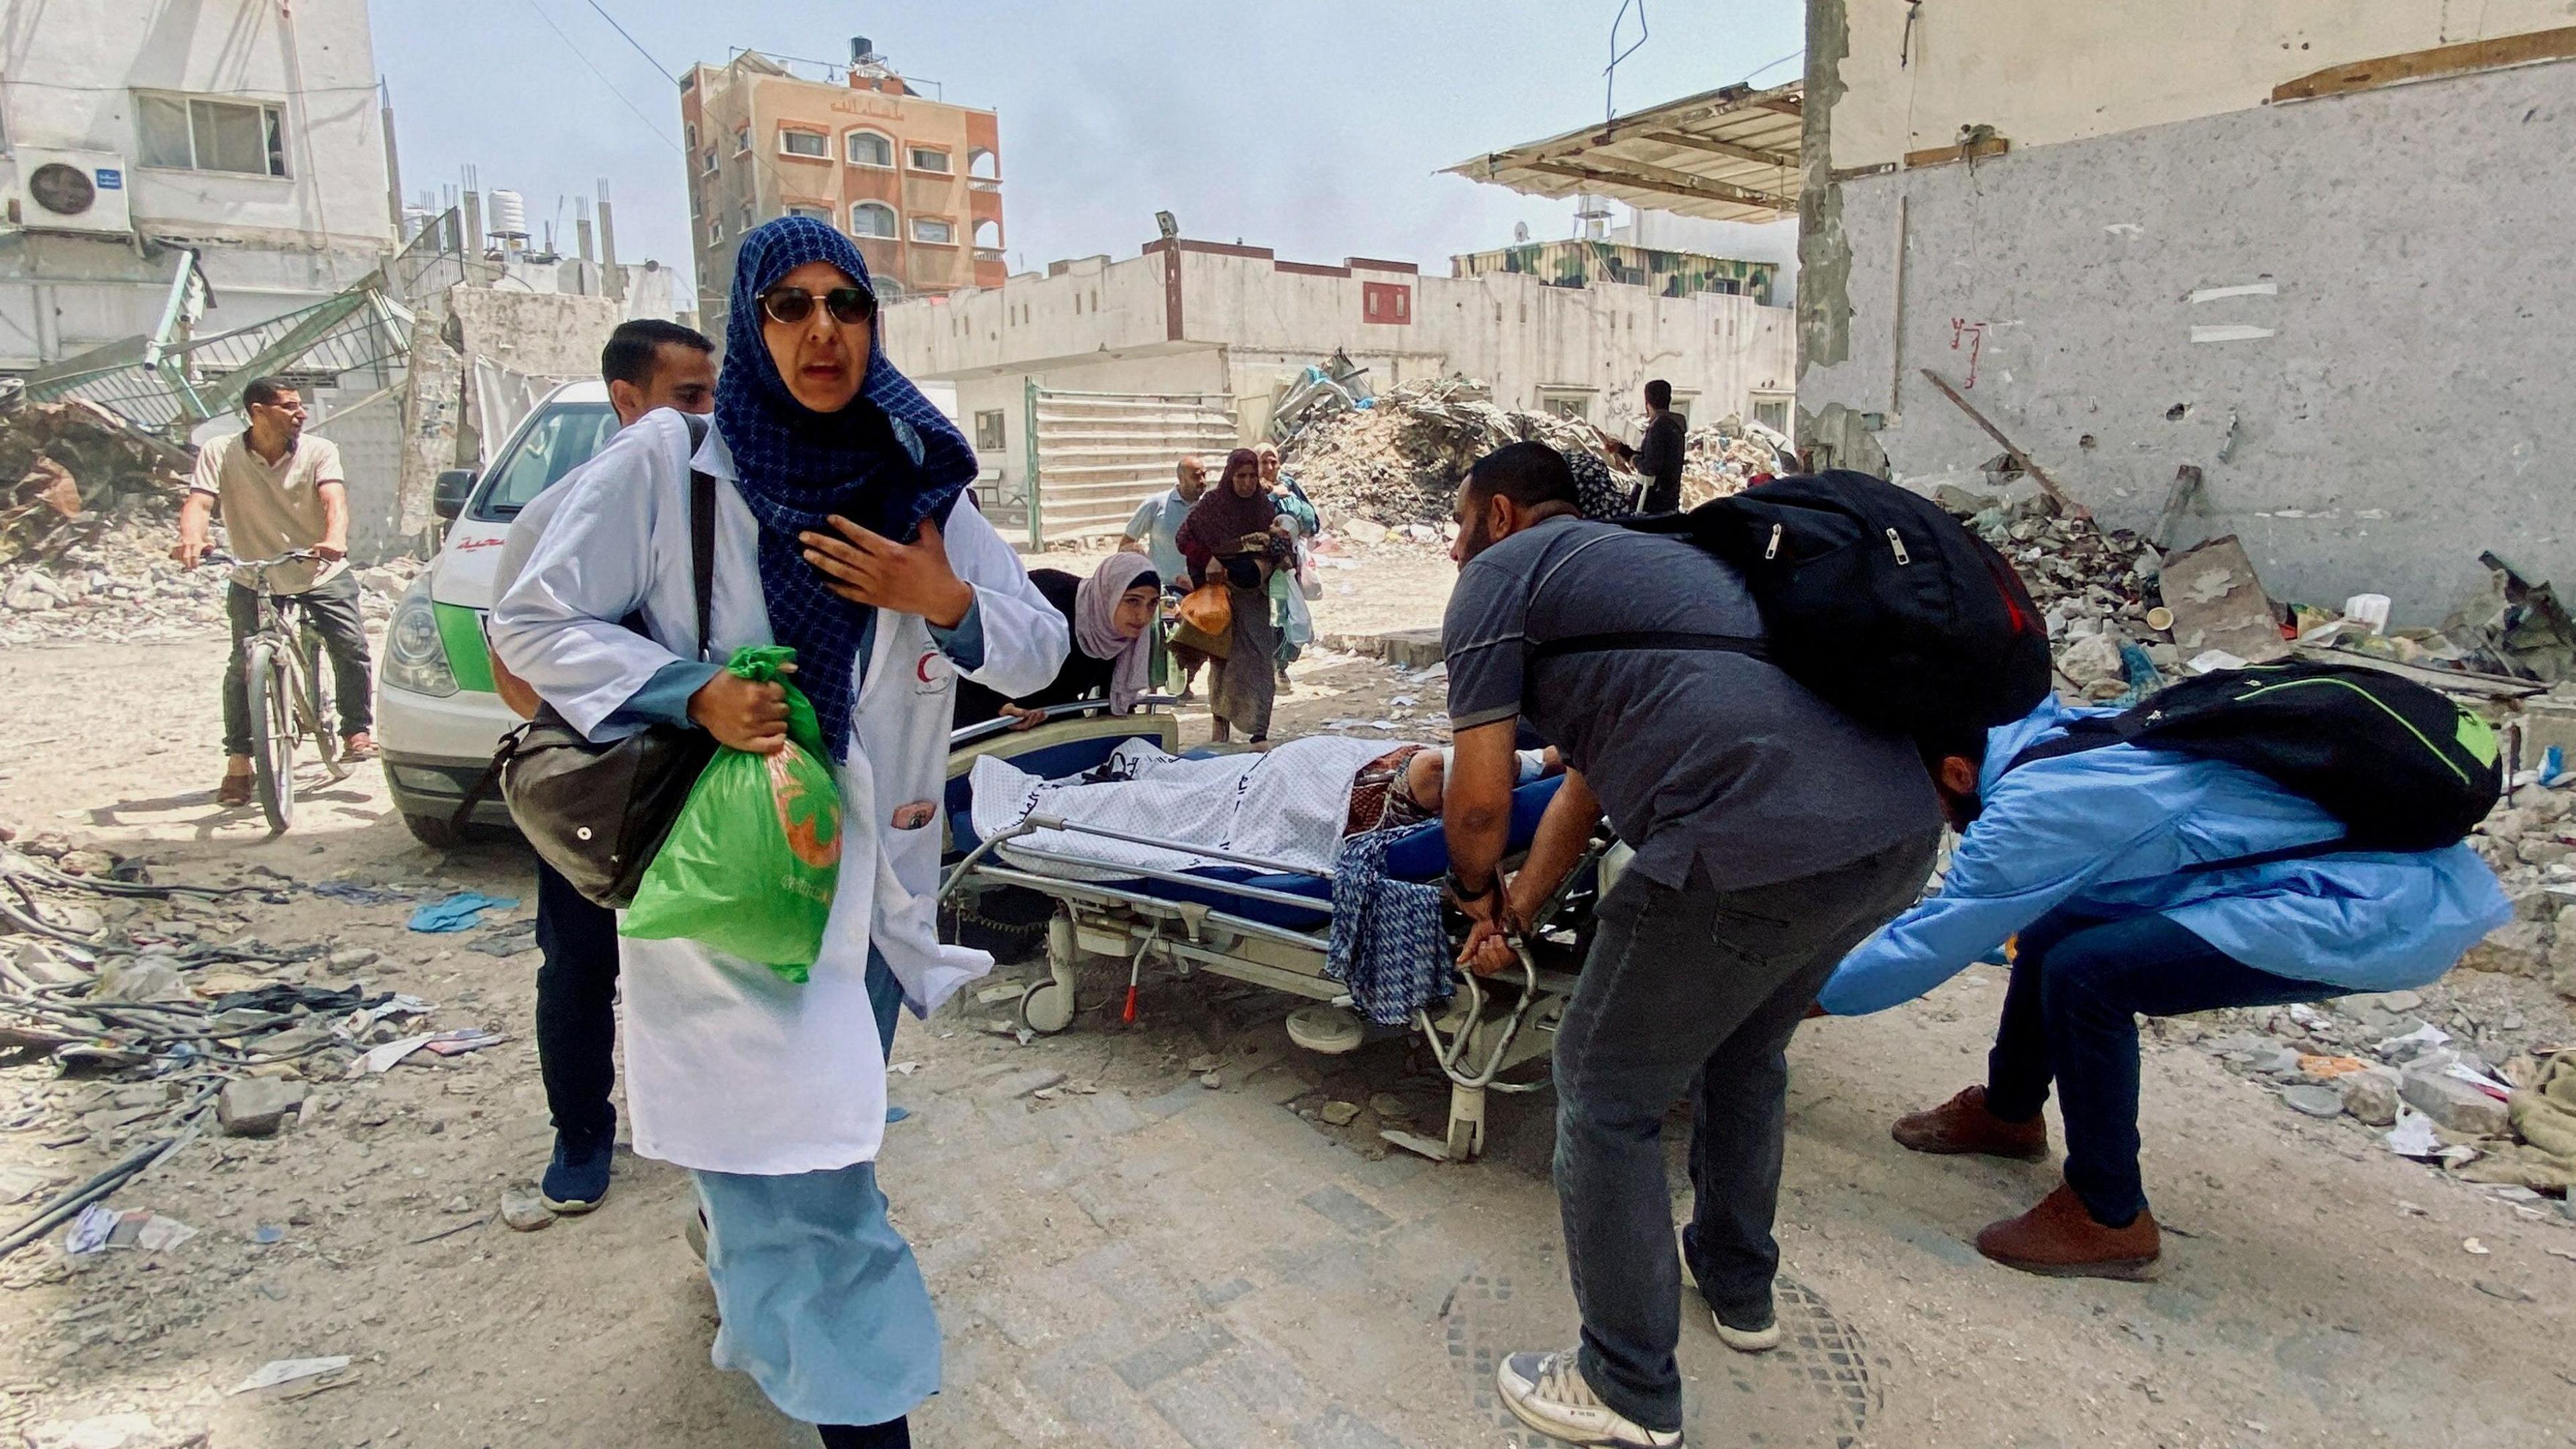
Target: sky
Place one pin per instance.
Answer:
(1314, 129)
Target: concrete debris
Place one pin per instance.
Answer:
(76, 467)
(2313, 1100)
(1337, 1114)
(1397, 461)
(2371, 1096)
(257, 1106)
(2089, 581)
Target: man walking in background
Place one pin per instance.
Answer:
(1772, 834)
(280, 492)
(648, 364)
(1659, 452)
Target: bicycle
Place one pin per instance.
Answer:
(284, 687)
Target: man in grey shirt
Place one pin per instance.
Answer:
(1772, 834)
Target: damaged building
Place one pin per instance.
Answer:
(2292, 250)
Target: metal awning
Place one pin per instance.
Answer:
(1728, 155)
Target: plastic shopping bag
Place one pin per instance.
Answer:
(751, 862)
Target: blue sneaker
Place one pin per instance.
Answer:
(577, 1179)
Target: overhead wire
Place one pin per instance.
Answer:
(664, 136)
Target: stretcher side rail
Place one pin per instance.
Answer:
(983, 730)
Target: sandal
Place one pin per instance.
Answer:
(234, 792)
(358, 748)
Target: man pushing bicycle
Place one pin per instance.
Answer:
(281, 492)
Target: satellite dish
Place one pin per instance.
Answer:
(1520, 232)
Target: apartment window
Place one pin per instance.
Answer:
(867, 148)
(926, 158)
(201, 135)
(746, 216)
(1772, 411)
(693, 135)
(989, 437)
(1387, 302)
(742, 140)
(715, 231)
(1566, 402)
(931, 231)
(872, 218)
(803, 143)
(819, 213)
(707, 162)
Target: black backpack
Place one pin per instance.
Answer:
(1872, 597)
(2402, 766)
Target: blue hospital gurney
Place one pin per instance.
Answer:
(1256, 921)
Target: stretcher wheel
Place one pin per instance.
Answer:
(1046, 1007)
(1464, 1140)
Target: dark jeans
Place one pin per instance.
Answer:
(1661, 497)
(576, 1007)
(892, 1434)
(1693, 992)
(2079, 984)
(331, 610)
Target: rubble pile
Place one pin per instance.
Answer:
(2091, 582)
(1725, 459)
(1398, 461)
(78, 468)
(120, 586)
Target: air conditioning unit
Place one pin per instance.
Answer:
(82, 191)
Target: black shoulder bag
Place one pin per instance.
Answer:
(598, 813)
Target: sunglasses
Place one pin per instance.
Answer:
(789, 306)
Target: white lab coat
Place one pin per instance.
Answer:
(728, 1068)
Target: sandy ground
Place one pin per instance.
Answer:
(1135, 1259)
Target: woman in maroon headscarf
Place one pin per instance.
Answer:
(1231, 537)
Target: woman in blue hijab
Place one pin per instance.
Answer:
(841, 529)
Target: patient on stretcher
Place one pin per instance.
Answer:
(1290, 808)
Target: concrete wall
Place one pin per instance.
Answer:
(2345, 311)
(269, 244)
(2041, 74)
(1240, 321)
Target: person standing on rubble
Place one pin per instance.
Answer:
(647, 364)
(281, 492)
(842, 530)
(1659, 452)
(2099, 862)
(1772, 834)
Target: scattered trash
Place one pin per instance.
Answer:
(288, 1370)
(161, 1234)
(268, 1235)
(90, 1231)
(462, 911)
(2473, 1246)
(381, 1059)
(2509, 1292)
(523, 1211)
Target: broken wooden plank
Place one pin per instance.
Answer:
(2021, 460)
(2455, 681)
(2440, 60)
(1965, 151)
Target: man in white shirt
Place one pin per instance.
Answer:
(280, 492)
(648, 364)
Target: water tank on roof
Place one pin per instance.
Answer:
(509, 216)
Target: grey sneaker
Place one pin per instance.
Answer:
(1753, 1330)
(1546, 1391)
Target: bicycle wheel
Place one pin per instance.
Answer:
(273, 733)
(313, 704)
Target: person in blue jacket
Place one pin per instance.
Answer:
(2111, 866)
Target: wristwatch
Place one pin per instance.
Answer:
(1458, 889)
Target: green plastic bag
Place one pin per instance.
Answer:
(752, 861)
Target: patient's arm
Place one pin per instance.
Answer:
(1564, 832)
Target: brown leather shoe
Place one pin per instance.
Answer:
(2060, 1238)
(234, 792)
(1963, 1125)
